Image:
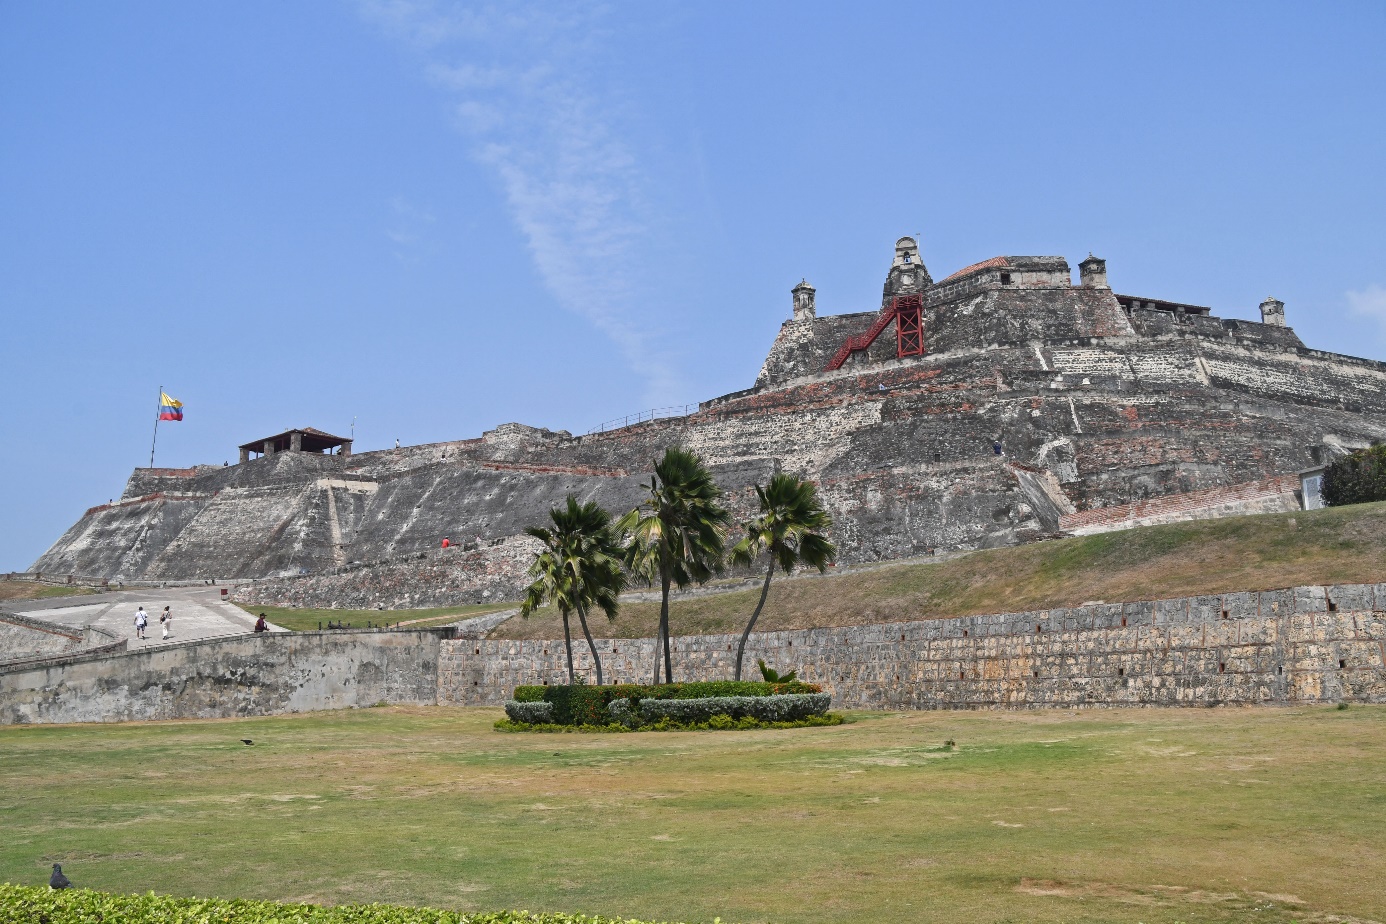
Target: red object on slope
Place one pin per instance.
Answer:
(909, 335)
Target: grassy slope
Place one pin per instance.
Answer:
(23, 590)
(1140, 815)
(1342, 545)
(306, 619)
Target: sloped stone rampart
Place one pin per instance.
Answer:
(1301, 645)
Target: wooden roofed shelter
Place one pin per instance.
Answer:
(306, 439)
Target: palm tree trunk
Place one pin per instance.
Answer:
(568, 645)
(664, 631)
(764, 592)
(597, 661)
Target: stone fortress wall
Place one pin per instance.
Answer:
(1302, 645)
(1297, 646)
(1100, 403)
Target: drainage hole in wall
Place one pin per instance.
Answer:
(1332, 607)
(1342, 665)
(1037, 628)
(962, 675)
(1121, 672)
(1224, 614)
(1222, 666)
(1036, 673)
(1123, 622)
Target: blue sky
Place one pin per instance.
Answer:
(432, 218)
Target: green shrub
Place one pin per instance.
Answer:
(529, 713)
(83, 906)
(780, 708)
(715, 723)
(1357, 478)
(580, 703)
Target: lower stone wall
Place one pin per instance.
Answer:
(1305, 644)
(22, 637)
(440, 577)
(1268, 495)
(220, 678)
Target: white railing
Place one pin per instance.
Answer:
(678, 410)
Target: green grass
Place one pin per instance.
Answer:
(307, 619)
(1248, 815)
(1338, 545)
(24, 590)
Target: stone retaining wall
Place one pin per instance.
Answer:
(220, 678)
(1306, 644)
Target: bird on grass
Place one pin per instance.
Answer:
(246, 741)
(58, 880)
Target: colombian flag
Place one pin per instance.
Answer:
(170, 408)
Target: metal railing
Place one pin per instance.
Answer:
(678, 410)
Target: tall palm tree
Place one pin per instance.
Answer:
(677, 535)
(789, 528)
(579, 568)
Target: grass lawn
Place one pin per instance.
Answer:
(24, 590)
(305, 619)
(1248, 815)
(1332, 546)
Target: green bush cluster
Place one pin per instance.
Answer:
(83, 906)
(715, 723)
(788, 707)
(1357, 478)
(580, 704)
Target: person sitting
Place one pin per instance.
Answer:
(261, 625)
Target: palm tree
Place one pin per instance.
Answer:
(789, 527)
(677, 534)
(578, 568)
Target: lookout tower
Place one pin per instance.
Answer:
(907, 275)
(304, 440)
(803, 301)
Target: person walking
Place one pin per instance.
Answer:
(141, 620)
(166, 622)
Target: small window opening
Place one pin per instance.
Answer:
(902, 636)
(1036, 673)
(1342, 664)
(1278, 668)
(1121, 672)
(1332, 607)
(1222, 666)
(962, 675)
(1005, 279)
(478, 651)
(1224, 614)
(1038, 628)
(964, 633)
(475, 683)
(1123, 622)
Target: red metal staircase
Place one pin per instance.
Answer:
(909, 331)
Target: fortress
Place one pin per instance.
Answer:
(998, 405)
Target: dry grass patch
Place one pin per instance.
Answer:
(1265, 552)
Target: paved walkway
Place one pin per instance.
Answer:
(198, 612)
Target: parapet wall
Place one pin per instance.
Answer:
(25, 639)
(221, 678)
(1306, 644)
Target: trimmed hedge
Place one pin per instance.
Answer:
(1357, 478)
(529, 712)
(581, 704)
(716, 723)
(83, 906)
(789, 707)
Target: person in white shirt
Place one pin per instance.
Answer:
(166, 622)
(141, 620)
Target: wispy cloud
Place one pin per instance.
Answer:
(1370, 303)
(524, 80)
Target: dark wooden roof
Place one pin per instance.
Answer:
(314, 440)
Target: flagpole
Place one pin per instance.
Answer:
(157, 412)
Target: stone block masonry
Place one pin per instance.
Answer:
(1301, 645)
(221, 678)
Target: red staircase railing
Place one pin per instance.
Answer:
(909, 333)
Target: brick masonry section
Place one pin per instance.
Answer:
(1301, 645)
